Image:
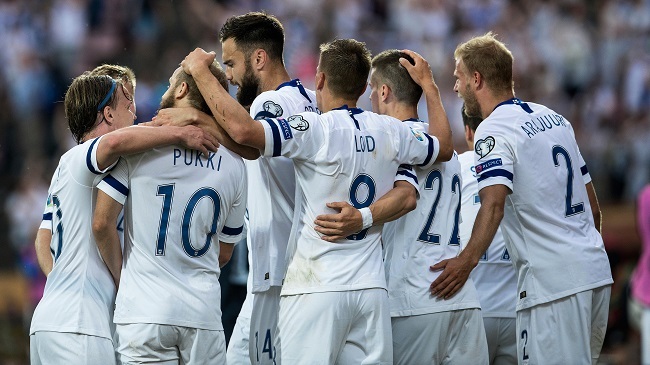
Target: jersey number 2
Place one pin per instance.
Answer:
(425, 236)
(167, 192)
(570, 209)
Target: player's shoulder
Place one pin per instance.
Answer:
(269, 104)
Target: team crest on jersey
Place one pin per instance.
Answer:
(417, 134)
(483, 147)
(272, 108)
(298, 123)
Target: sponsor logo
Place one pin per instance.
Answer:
(298, 123)
(483, 147)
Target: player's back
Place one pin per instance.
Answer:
(79, 292)
(343, 155)
(548, 223)
(271, 199)
(181, 204)
(426, 235)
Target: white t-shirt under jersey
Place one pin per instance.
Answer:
(272, 189)
(79, 292)
(548, 224)
(343, 155)
(424, 237)
(494, 276)
(180, 205)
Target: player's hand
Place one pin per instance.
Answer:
(339, 225)
(197, 59)
(179, 117)
(421, 71)
(198, 139)
(453, 277)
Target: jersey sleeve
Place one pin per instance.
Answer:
(268, 105)
(406, 173)
(493, 156)
(91, 158)
(233, 229)
(300, 136)
(116, 183)
(416, 147)
(46, 223)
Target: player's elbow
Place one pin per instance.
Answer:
(224, 258)
(446, 152)
(410, 201)
(101, 226)
(250, 153)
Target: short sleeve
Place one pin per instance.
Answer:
(406, 173)
(116, 183)
(91, 158)
(233, 229)
(46, 223)
(493, 156)
(416, 147)
(268, 105)
(300, 136)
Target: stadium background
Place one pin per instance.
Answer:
(587, 59)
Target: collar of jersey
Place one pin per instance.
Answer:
(515, 101)
(352, 111)
(413, 120)
(295, 83)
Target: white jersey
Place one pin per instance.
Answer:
(494, 276)
(181, 204)
(423, 237)
(343, 155)
(271, 193)
(79, 292)
(548, 224)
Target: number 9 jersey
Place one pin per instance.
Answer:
(548, 224)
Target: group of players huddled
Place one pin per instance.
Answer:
(370, 240)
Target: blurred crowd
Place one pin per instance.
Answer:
(587, 59)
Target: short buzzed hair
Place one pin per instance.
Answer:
(194, 96)
(87, 96)
(346, 64)
(489, 57)
(471, 121)
(388, 70)
(255, 30)
(122, 73)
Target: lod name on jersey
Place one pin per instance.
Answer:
(543, 123)
(195, 158)
(364, 143)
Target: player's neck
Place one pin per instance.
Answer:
(335, 102)
(402, 111)
(491, 101)
(274, 77)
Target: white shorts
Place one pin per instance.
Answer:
(264, 345)
(639, 317)
(347, 327)
(141, 343)
(453, 337)
(569, 330)
(501, 334)
(237, 352)
(70, 348)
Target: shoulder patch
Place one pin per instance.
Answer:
(488, 164)
(417, 134)
(273, 108)
(483, 147)
(298, 123)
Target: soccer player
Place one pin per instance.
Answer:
(334, 306)
(425, 329)
(168, 306)
(71, 324)
(494, 276)
(529, 165)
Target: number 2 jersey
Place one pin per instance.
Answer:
(343, 155)
(548, 224)
(180, 204)
(79, 292)
(423, 237)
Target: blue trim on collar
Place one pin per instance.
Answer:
(295, 83)
(413, 120)
(352, 112)
(516, 101)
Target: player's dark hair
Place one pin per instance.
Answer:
(489, 57)
(87, 96)
(194, 96)
(471, 122)
(255, 30)
(388, 70)
(346, 64)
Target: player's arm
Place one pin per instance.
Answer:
(43, 255)
(136, 139)
(104, 227)
(232, 117)
(457, 270)
(394, 204)
(191, 116)
(225, 253)
(438, 122)
(595, 207)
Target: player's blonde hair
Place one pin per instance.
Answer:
(122, 73)
(194, 96)
(489, 57)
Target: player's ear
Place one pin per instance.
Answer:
(384, 92)
(259, 58)
(182, 90)
(320, 80)
(478, 81)
(109, 114)
(469, 134)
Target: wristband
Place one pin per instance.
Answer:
(366, 217)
